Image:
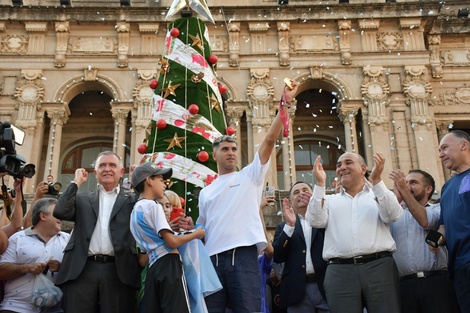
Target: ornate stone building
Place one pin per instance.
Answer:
(376, 76)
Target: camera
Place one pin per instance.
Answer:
(54, 189)
(11, 163)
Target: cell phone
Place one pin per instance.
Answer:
(175, 213)
(434, 238)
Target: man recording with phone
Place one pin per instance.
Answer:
(424, 282)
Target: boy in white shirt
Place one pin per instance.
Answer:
(165, 286)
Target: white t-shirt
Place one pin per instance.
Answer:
(147, 221)
(26, 247)
(229, 209)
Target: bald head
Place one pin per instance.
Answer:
(454, 151)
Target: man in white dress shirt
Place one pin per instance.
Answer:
(358, 245)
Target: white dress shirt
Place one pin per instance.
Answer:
(100, 242)
(358, 225)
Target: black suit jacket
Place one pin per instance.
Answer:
(291, 251)
(83, 208)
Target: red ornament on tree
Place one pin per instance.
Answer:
(193, 109)
(142, 148)
(203, 156)
(230, 131)
(153, 84)
(161, 124)
(212, 59)
(175, 32)
(222, 88)
(182, 202)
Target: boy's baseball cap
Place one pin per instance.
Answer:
(148, 169)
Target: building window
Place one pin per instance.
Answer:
(306, 152)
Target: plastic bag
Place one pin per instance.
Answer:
(45, 294)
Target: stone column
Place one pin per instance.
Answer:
(234, 113)
(141, 111)
(348, 117)
(418, 90)
(442, 130)
(288, 159)
(249, 134)
(29, 94)
(367, 138)
(120, 121)
(58, 119)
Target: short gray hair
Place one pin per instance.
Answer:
(223, 138)
(42, 206)
(108, 152)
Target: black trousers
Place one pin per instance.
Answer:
(98, 289)
(434, 294)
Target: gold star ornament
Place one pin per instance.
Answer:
(214, 103)
(170, 90)
(175, 141)
(196, 41)
(198, 6)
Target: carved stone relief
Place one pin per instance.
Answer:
(283, 29)
(62, 33)
(258, 37)
(260, 90)
(417, 90)
(460, 96)
(436, 67)
(455, 57)
(219, 44)
(234, 45)
(389, 41)
(344, 29)
(92, 45)
(122, 29)
(314, 43)
(14, 44)
(375, 90)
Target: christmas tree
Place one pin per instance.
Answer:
(187, 111)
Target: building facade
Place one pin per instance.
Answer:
(375, 76)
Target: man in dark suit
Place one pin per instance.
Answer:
(300, 247)
(99, 271)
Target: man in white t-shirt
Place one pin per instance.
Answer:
(229, 210)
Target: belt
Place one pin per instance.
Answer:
(361, 259)
(101, 258)
(310, 278)
(423, 274)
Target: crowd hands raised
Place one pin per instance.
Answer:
(361, 248)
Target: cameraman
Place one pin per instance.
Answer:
(8, 228)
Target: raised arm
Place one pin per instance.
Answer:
(267, 145)
(416, 209)
(65, 208)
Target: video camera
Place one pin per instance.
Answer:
(11, 163)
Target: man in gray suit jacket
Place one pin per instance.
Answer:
(99, 271)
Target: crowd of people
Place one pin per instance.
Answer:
(359, 247)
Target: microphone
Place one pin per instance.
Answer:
(434, 238)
